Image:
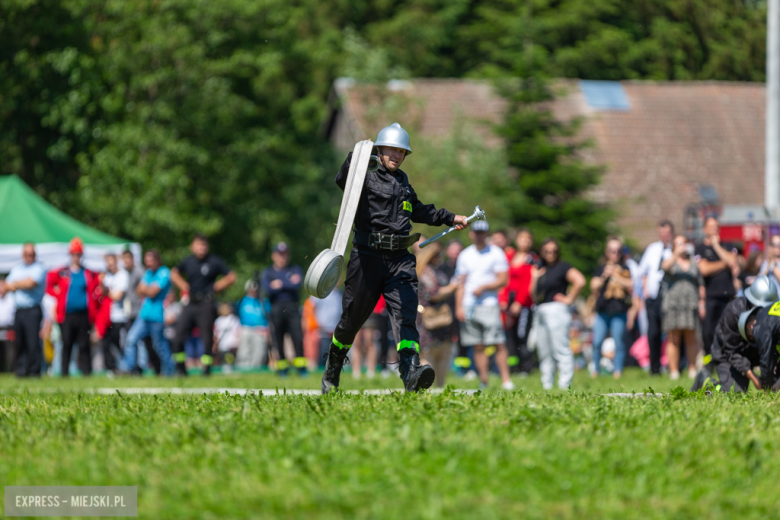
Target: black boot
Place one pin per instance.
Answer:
(336, 359)
(181, 370)
(413, 374)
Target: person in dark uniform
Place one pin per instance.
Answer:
(733, 357)
(198, 294)
(380, 263)
(282, 283)
(761, 327)
(715, 264)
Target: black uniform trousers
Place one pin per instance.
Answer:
(368, 277)
(200, 314)
(75, 329)
(383, 322)
(517, 341)
(654, 332)
(29, 354)
(111, 344)
(286, 319)
(7, 351)
(715, 308)
(730, 379)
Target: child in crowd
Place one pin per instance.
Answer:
(227, 333)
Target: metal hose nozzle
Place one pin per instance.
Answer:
(373, 163)
(478, 214)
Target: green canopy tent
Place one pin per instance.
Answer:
(26, 217)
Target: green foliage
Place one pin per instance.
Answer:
(178, 117)
(45, 114)
(490, 455)
(213, 127)
(623, 39)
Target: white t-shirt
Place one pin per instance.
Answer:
(227, 330)
(7, 310)
(480, 268)
(119, 281)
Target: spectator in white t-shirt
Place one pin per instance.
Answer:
(227, 334)
(116, 282)
(481, 270)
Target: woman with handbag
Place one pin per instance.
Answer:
(435, 319)
(612, 286)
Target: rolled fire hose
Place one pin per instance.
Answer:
(325, 271)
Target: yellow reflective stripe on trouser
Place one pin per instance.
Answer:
(300, 362)
(513, 361)
(206, 360)
(282, 364)
(409, 344)
(706, 359)
(339, 344)
(180, 357)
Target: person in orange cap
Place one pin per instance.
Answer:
(76, 291)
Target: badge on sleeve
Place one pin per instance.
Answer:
(407, 206)
(775, 310)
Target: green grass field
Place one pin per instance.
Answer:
(526, 454)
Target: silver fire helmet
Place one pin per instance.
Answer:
(394, 136)
(762, 292)
(742, 324)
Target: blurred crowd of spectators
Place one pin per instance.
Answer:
(496, 306)
(657, 310)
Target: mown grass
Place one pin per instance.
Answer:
(490, 455)
(634, 380)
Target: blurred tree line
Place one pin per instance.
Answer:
(154, 119)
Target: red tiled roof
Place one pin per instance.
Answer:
(675, 137)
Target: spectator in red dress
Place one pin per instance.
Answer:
(516, 302)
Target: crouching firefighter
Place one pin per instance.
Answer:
(733, 357)
(380, 264)
(761, 327)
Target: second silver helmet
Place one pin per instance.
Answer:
(742, 323)
(762, 292)
(394, 136)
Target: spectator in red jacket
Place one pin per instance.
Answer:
(76, 291)
(515, 300)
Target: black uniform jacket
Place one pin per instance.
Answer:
(389, 205)
(767, 337)
(728, 346)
